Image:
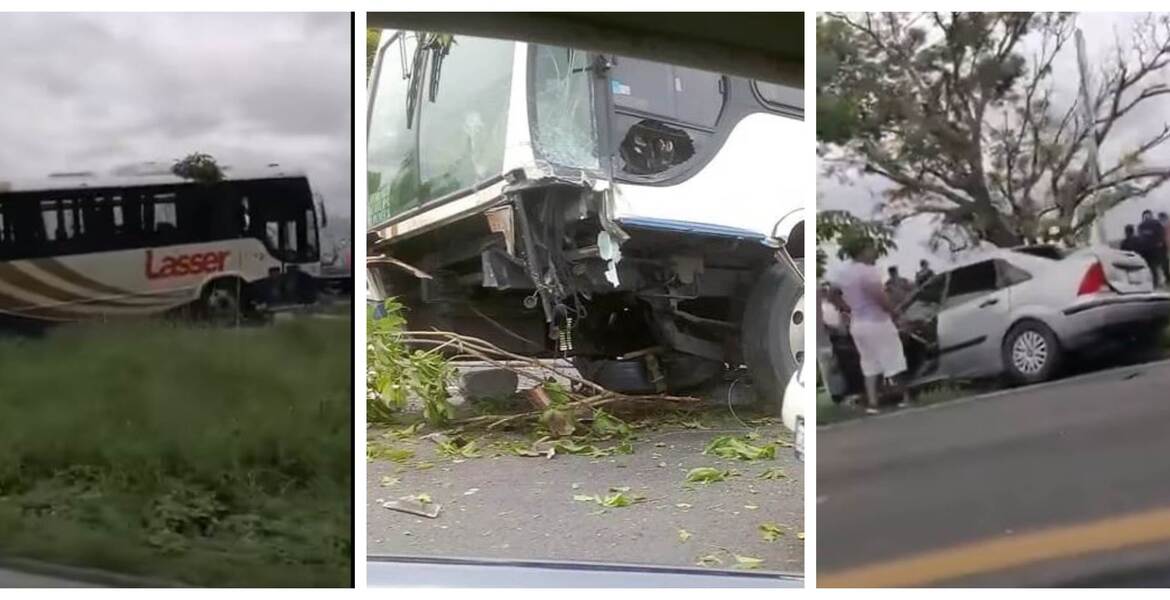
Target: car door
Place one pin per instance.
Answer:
(971, 323)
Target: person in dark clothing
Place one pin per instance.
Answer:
(1153, 243)
(1131, 243)
(924, 272)
(1164, 219)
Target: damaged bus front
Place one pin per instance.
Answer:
(625, 213)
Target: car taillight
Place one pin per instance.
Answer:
(1093, 281)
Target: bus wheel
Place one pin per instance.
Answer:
(679, 372)
(773, 334)
(221, 303)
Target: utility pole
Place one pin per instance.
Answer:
(1098, 234)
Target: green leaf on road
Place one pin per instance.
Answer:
(607, 425)
(456, 448)
(388, 481)
(773, 473)
(709, 560)
(726, 446)
(407, 431)
(683, 535)
(706, 475)
(375, 451)
(747, 562)
(771, 532)
(614, 500)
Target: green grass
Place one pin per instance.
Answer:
(196, 455)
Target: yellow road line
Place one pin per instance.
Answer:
(1000, 553)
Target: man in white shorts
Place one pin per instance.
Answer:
(871, 324)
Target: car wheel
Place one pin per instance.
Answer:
(1031, 353)
(773, 334)
(680, 372)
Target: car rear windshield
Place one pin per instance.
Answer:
(1050, 252)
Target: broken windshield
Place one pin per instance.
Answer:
(564, 129)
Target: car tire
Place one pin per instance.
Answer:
(682, 372)
(1031, 353)
(772, 348)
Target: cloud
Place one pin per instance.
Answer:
(96, 91)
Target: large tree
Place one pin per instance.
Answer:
(960, 113)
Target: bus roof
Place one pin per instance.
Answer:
(77, 181)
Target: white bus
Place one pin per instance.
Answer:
(82, 248)
(557, 202)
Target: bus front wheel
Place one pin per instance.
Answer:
(222, 302)
(773, 334)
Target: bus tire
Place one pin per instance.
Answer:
(773, 334)
(222, 302)
(681, 372)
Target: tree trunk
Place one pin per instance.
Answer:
(1000, 235)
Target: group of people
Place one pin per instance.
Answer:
(867, 308)
(1150, 239)
(899, 288)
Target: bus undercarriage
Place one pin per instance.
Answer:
(639, 307)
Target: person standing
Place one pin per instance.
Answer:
(898, 288)
(1164, 220)
(924, 272)
(1131, 242)
(1153, 242)
(871, 324)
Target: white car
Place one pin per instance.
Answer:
(1021, 313)
(792, 412)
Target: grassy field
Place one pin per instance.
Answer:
(202, 456)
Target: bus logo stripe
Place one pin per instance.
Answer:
(19, 280)
(59, 269)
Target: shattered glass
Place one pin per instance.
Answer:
(565, 128)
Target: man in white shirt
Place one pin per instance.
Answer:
(871, 325)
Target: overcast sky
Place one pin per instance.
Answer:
(862, 195)
(95, 92)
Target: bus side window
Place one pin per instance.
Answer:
(52, 218)
(273, 234)
(164, 223)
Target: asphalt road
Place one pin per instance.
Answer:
(997, 480)
(523, 507)
(19, 579)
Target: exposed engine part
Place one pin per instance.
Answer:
(566, 336)
(608, 250)
(657, 377)
(500, 220)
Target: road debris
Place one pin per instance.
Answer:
(419, 504)
(726, 446)
(706, 475)
(772, 473)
